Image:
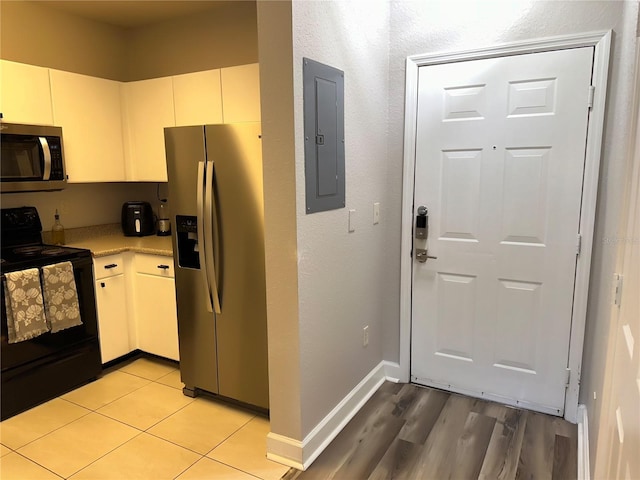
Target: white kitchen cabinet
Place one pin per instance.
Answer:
(111, 301)
(241, 93)
(198, 98)
(148, 108)
(25, 94)
(88, 110)
(155, 306)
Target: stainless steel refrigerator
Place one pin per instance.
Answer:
(216, 204)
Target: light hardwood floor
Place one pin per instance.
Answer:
(410, 432)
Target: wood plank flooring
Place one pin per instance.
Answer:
(410, 432)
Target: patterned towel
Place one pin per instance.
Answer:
(60, 296)
(25, 312)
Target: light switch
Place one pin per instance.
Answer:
(352, 220)
(376, 213)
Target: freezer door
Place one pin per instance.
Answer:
(241, 327)
(185, 149)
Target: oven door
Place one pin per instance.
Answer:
(53, 345)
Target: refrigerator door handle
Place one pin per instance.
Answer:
(208, 236)
(201, 228)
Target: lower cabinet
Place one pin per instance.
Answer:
(111, 300)
(155, 306)
(135, 296)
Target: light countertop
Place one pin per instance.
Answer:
(105, 240)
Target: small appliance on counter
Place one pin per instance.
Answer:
(164, 224)
(137, 219)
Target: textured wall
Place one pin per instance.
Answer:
(224, 36)
(424, 27)
(276, 77)
(342, 277)
(35, 34)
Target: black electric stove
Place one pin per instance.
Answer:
(30, 256)
(44, 367)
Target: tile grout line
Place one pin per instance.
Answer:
(33, 461)
(95, 410)
(104, 455)
(231, 435)
(55, 429)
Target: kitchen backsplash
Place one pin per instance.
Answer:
(82, 205)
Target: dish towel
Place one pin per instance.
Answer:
(25, 311)
(60, 296)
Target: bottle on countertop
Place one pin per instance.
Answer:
(57, 231)
(164, 224)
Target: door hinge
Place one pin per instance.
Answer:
(567, 379)
(592, 91)
(579, 244)
(617, 289)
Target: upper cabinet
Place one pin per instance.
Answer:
(198, 98)
(25, 96)
(241, 93)
(88, 109)
(114, 131)
(148, 109)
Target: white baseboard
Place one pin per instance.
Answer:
(392, 371)
(583, 444)
(301, 455)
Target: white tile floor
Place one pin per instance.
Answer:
(134, 422)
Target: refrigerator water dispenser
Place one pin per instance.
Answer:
(187, 237)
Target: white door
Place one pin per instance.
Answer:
(500, 151)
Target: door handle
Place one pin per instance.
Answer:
(200, 232)
(47, 157)
(422, 255)
(209, 199)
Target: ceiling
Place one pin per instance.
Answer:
(133, 13)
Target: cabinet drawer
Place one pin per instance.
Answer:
(154, 265)
(108, 266)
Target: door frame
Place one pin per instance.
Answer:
(601, 41)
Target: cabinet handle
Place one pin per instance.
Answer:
(102, 284)
(111, 265)
(163, 267)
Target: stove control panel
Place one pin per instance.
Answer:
(20, 218)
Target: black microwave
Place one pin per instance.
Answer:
(32, 158)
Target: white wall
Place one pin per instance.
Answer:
(324, 283)
(432, 26)
(281, 257)
(342, 281)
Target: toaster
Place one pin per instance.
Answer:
(137, 219)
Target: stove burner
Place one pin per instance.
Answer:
(52, 251)
(28, 251)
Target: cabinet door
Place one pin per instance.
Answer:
(88, 110)
(156, 315)
(25, 95)
(241, 93)
(113, 322)
(148, 109)
(198, 98)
